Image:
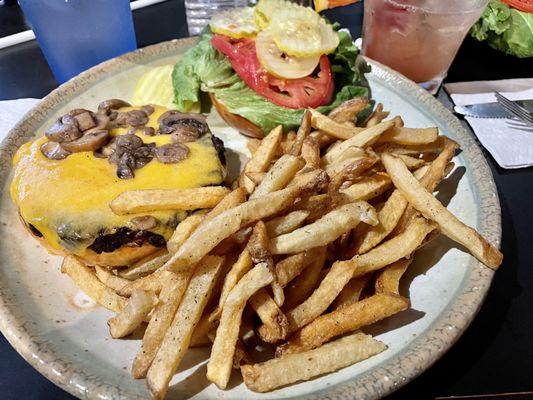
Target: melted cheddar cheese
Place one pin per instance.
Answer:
(68, 200)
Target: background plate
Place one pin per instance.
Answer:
(64, 335)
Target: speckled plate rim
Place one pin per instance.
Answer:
(419, 355)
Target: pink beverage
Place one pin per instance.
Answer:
(418, 38)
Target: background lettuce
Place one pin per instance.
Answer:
(506, 29)
(204, 69)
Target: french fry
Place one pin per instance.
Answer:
(232, 199)
(324, 230)
(237, 271)
(286, 223)
(206, 237)
(332, 128)
(169, 300)
(297, 367)
(133, 314)
(350, 152)
(279, 175)
(377, 116)
(109, 279)
(275, 325)
(350, 172)
(253, 145)
(310, 182)
(138, 201)
(347, 111)
(261, 158)
(256, 177)
(351, 292)
(303, 285)
(398, 121)
(368, 187)
(178, 335)
(388, 279)
(153, 282)
(182, 232)
(290, 267)
(200, 336)
(362, 139)
(344, 320)
(87, 281)
(431, 208)
(411, 162)
(303, 133)
(409, 136)
(145, 266)
(220, 363)
(314, 205)
(311, 153)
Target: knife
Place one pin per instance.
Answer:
(490, 110)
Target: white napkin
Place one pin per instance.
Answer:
(509, 141)
(11, 111)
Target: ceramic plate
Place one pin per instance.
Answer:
(64, 335)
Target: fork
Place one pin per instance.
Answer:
(514, 108)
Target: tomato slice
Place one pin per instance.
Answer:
(311, 91)
(522, 5)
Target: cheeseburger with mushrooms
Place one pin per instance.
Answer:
(64, 181)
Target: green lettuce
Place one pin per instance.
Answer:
(204, 69)
(505, 29)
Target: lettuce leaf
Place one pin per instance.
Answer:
(505, 29)
(204, 69)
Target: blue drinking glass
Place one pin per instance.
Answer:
(75, 35)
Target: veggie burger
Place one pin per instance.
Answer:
(263, 66)
(65, 180)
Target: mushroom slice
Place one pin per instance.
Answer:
(85, 121)
(185, 134)
(64, 130)
(54, 151)
(90, 141)
(171, 153)
(171, 120)
(112, 104)
(107, 150)
(148, 109)
(133, 118)
(125, 166)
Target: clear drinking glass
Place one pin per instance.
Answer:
(418, 38)
(199, 12)
(74, 35)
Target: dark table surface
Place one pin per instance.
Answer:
(495, 354)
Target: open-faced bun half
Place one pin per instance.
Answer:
(236, 121)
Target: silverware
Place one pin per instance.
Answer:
(514, 108)
(490, 110)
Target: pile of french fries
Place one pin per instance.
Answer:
(307, 248)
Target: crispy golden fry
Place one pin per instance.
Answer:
(237, 271)
(281, 173)
(310, 182)
(303, 133)
(377, 116)
(300, 367)
(285, 147)
(412, 162)
(332, 128)
(315, 205)
(258, 244)
(253, 145)
(275, 325)
(330, 287)
(208, 235)
(348, 110)
(256, 177)
(200, 336)
(409, 136)
(153, 282)
(261, 158)
(388, 279)
(398, 121)
(414, 150)
(350, 153)
(138, 201)
(109, 279)
(169, 300)
(430, 207)
(362, 139)
(344, 320)
(290, 267)
(349, 173)
(133, 314)
(324, 230)
(286, 223)
(87, 281)
(351, 293)
(232, 199)
(145, 266)
(182, 232)
(368, 187)
(178, 335)
(338, 166)
(398, 247)
(311, 153)
(322, 139)
(220, 363)
(304, 284)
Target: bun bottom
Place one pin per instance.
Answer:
(236, 121)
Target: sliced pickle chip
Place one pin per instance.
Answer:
(236, 23)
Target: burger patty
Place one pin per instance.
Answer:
(125, 236)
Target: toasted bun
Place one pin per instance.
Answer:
(236, 121)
